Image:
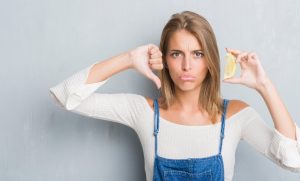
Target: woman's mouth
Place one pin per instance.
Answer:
(187, 78)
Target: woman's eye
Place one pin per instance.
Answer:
(199, 54)
(175, 54)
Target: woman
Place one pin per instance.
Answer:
(189, 132)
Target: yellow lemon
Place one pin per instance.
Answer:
(230, 67)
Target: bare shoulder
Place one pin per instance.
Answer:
(235, 106)
(150, 101)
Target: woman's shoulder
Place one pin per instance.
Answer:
(235, 106)
(149, 100)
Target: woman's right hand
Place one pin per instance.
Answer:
(145, 58)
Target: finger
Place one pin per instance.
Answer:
(155, 60)
(253, 59)
(157, 54)
(151, 46)
(157, 66)
(154, 78)
(242, 57)
(252, 55)
(233, 51)
(241, 60)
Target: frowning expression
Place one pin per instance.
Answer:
(186, 61)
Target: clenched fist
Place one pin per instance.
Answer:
(145, 59)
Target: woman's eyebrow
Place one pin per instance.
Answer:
(182, 51)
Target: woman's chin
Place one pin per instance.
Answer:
(187, 86)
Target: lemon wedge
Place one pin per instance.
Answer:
(230, 67)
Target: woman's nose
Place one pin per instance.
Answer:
(186, 64)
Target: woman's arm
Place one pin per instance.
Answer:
(71, 92)
(254, 76)
(280, 115)
(107, 68)
(280, 149)
(281, 144)
(76, 93)
(142, 59)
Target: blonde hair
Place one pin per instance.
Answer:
(209, 95)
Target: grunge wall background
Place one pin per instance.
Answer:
(44, 42)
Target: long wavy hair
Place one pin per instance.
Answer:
(209, 95)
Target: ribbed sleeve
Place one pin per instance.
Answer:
(280, 149)
(286, 150)
(74, 95)
(70, 92)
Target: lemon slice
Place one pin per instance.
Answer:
(230, 67)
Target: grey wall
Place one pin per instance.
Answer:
(44, 42)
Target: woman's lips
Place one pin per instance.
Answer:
(187, 78)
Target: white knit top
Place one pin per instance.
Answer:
(177, 140)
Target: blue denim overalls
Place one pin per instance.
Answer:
(192, 169)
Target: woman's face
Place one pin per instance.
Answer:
(186, 62)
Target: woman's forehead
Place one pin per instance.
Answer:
(183, 40)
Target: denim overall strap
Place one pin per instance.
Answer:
(225, 102)
(156, 123)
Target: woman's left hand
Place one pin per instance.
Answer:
(252, 72)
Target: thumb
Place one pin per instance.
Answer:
(154, 78)
(233, 80)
